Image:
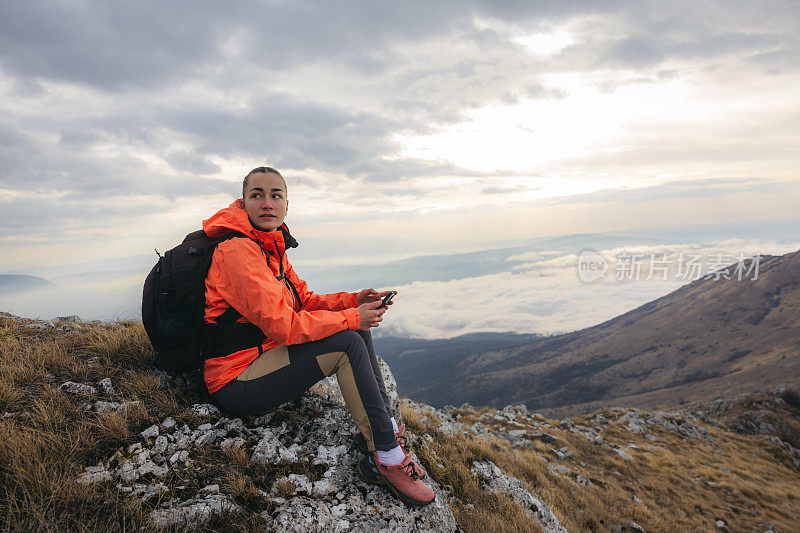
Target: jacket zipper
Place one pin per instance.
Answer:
(286, 282)
(289, 285)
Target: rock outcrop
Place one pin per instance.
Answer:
(320, 492)
(497, 481)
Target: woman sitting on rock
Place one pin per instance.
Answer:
(270, 338)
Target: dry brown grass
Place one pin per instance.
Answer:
(39, 467)
(50, 439)
(448, 461)
(670, 478)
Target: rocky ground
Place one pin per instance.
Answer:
(311, 439)
(620, 469)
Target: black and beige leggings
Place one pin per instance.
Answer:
(285, 372)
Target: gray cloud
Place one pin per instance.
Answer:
(31, 219)
(114, 46)
(79, 138)
(107, 45)
(507, 190)
(290, 132)
(777, 61)
(149, 44)
(382, 170)
(11, 137)
(645, 35)
(100, 97)
(191, 162)
(119, 45)
(682, 189)
(641, 51)
(66, 169)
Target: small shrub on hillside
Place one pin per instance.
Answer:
(792, 398)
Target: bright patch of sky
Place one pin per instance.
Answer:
(546, 43)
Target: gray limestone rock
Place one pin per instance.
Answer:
(563, 452)
(498, 481)
(191, 512)
(559, 469)
(515, 437)
(621, 452)
(101, 406)
(634, 421)
(94, 474)
(204, 409)
(451, 428)
(106, 385)
(152, 431)
(78, 388)
(675, 421)
(39, 325)
(314, 433)
(544, 437)
(478, 429)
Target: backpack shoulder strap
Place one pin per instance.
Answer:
(231, 235)
(230, 315)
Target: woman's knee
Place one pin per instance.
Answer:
(348, 339)
(353, 345)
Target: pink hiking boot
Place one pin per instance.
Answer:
(402, 440)
(402, 480)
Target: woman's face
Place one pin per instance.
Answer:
(265, 201)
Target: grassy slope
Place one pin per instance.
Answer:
(43, 452)
(679, 480)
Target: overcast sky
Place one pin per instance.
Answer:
(403, 126)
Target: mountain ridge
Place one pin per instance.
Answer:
(724, 334)
(10, 283)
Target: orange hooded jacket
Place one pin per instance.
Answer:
(243, 275)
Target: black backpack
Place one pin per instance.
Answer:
(173, 302)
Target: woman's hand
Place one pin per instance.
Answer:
(369, 315)
(371, 295)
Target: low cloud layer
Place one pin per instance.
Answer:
(528, 288)
(547, 296)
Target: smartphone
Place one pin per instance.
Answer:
(386, 300)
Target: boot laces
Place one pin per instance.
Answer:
(411, 470)
(403, 442)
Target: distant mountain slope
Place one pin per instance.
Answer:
(707, 339)
(410, 359)
(20, 282)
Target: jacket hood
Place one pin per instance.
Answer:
(234, 218)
